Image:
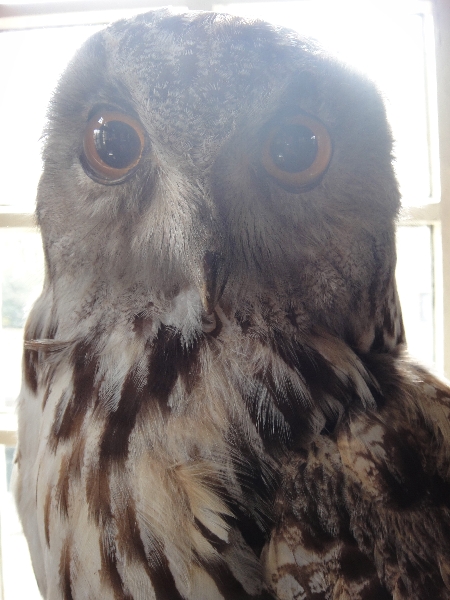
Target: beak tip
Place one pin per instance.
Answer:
(208, 302)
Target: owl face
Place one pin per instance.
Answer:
(227, 160)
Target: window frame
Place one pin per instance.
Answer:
(441, 13)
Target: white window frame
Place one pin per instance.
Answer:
(441, 9)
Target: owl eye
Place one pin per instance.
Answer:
(298, 152)
(113, 143)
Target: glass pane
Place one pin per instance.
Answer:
(28, 78)
(415, 285)
(19, 582)
(352, 30)
(22, 273)
(385, 40)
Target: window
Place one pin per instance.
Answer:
(393, 41)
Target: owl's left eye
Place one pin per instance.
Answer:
(113, 144)
(297, 152)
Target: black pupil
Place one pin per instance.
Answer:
(294, 148)
(117, 144)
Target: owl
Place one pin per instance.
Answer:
(216, 400)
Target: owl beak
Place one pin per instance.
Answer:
(214, 281)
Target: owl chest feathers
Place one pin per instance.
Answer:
(162, 443)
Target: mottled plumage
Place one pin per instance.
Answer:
(216, 400)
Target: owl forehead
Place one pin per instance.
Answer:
(202, 68)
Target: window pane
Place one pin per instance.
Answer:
(19, 582)
(22, 272)
(28, 79)
(392, 43)
(400, 65)
(415, 286)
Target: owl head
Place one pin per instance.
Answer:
(201, 160)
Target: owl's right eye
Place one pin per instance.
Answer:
(113, 144)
